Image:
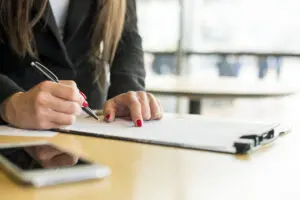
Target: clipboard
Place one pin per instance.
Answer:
(185, 131)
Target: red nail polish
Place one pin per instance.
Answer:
(83, 95)
(107, 117)
(139, 123)
(85, 104)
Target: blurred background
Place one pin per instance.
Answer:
(227, 58)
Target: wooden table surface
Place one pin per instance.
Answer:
(195, 88)
(146, 172)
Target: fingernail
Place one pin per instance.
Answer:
(83, 95)
(85, 104)
(158, 115)
(107, 117)
(139, 123)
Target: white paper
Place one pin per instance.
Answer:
(186, 130)
(9, 131)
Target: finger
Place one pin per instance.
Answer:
(145, 107)
(45, 124)
(74, 85)
(66, 92)
(161, 109)
(155, 107)
(110, 110)
(136, 112)
(61, 119)
(61, 105)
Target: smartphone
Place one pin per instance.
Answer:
(42, 164)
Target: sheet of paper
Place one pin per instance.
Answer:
(182, 130)
(9, 131)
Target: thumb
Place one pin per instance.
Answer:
(109, 111)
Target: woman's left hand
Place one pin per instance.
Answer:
(139, 106)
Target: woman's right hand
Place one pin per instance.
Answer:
(47, 105)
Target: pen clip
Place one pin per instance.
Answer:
(44, 70)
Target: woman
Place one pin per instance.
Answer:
(65, 35)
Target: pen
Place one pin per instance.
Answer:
(51, 76)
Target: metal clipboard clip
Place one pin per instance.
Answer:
(249, 143)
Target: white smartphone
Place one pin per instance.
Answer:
(42, 164)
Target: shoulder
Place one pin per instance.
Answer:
(131, 8)
(131, 15)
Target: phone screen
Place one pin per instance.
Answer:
(41, 157)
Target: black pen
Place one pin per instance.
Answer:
(51, 76)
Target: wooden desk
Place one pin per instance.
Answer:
(145, 172)
(196, 89)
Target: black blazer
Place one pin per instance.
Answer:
(67, 57)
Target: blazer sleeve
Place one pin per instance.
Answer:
(128, 72)
(7, 86)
